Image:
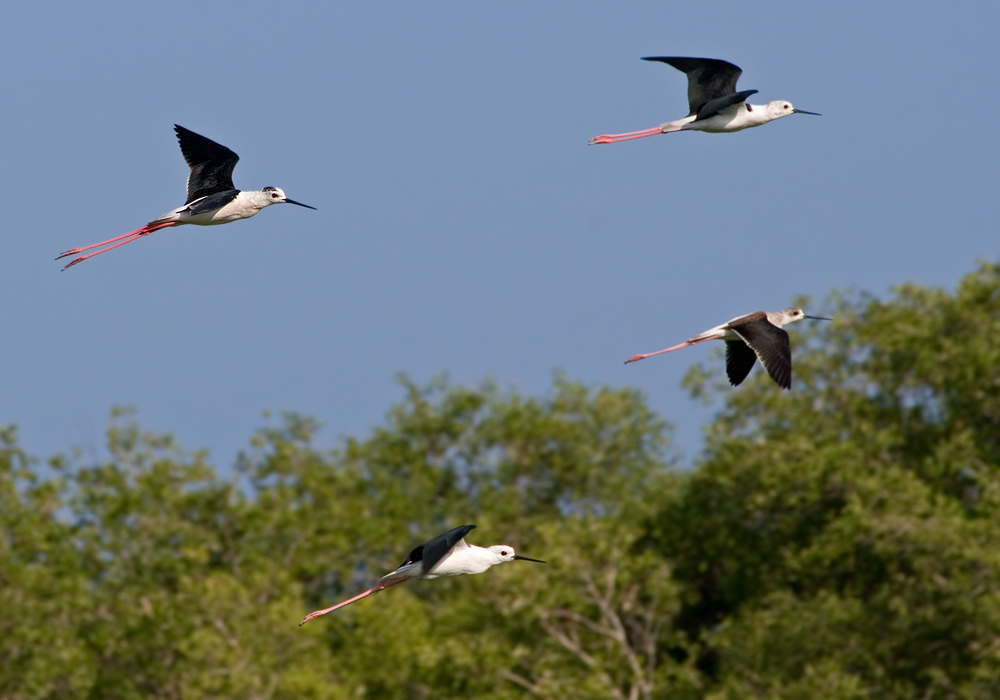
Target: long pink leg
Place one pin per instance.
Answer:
(84, 257)
(686, 343)
(615, 138)
(74, 251)
(128, 238)
(359, 596)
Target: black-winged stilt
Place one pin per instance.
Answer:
(756, 335)
(715, 105)
(211, 197)
(445, 555)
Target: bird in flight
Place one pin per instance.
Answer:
(759, 335)
(211, 196)
(714, 104)
(445, 555)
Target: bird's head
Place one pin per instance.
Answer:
(796, 314)
(781, 108)
(504, 553)
(275, 195)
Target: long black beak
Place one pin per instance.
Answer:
(292, 201)
(802, 111)
(817, 318)
(537, 561)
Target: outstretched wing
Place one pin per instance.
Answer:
(772, 347)
(740, 360)
(431, 553)
(713, 107)
(211, 164)
(708, 78)
(212, 202)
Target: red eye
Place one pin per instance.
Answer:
(503, 552)
(786, 106)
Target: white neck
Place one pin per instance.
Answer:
(255, 198)
(759, 114)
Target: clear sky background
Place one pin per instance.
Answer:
(464, 225)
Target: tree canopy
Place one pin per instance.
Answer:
(841, 540)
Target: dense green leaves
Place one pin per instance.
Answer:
(849, 530)
(839, 541)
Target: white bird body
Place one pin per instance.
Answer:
(465, 558)
(445, 555)
(733, 118)
(245, 205)
(725, 331)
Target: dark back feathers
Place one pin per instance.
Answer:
(433, 551)
(708, 78)
(211, 164)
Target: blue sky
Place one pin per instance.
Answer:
(464, 225)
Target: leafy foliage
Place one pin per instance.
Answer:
(838, 541)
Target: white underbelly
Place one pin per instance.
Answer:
(220, 216)
(232, 211)
(720, 124)
(732, 118)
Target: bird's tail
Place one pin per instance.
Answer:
(669, 127)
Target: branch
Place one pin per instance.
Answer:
(521, 681)
(566, 641)
(605, 604)
(575, 648)
(588, 623)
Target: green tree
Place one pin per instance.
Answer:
(842, 540)
(838, 541)
(575, 474)
(42, 588)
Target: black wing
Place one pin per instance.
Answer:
(772, 347)
(432, 552)
(740, 360)
(211, 164)
(713, 107)
(212, 202)
(708, 78)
